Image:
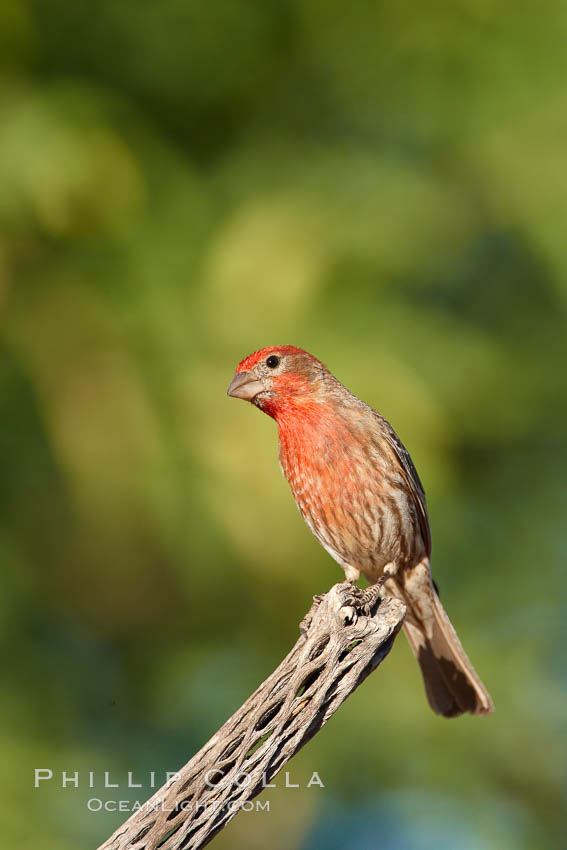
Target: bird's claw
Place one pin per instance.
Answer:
(370, 596)
(357, 602)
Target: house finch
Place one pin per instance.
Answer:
(358, 491)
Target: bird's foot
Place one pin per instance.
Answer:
(370, 596)
(357, 602)
(350, 593)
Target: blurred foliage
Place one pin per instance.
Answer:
(180, 184)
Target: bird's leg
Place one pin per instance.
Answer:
(376, 590)
(389, 571)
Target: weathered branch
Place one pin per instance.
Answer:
(344, 637)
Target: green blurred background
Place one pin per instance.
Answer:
(384, 184)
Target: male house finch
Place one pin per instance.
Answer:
(359, 493)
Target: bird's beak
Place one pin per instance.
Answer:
(245, 385)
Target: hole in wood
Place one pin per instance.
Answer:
(214, 778)
(179, 807)
(268, 715)
(230, 748)
(335, 686)
(348, 650)
(187, 840)
(168, 835)
(308, 681)
(258, 743)
(318, 649)
(141, 834)
(226, 768)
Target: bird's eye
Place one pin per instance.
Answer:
(272, 361)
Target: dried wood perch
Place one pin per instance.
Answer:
(344, 637)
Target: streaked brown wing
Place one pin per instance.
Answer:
(411, 477)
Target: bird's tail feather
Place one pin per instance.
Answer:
(451, 683)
